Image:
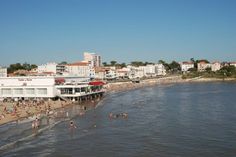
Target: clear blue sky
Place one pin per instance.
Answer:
(39, 31)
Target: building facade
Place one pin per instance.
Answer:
(215, 66)
(3, 72)
(93, 59)
(185, 66)
(202, 66)
(80, 69)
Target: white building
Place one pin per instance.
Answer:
(93, 59)
(185, 66)
(31, 87)
(149, 70)
(48, 68)
(3, 72)
(47, 87)
(160, 70)
(215, 66)
(80, 69)
(232, 63)
(122, 73)
(202, 66)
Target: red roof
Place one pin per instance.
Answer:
(78, 64)
(96, 83)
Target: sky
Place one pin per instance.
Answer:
(41, 31)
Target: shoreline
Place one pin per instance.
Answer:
(110, 88)
(125, 86)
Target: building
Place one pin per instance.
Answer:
(160, 70)
(202, 66)
(185, 66)
(3, 72)
(232, 63)
(149, 70)
(122, 73)
(93, 59)
(215, 66)
(48, 87)
(80, 69)
(30, 87)
(49, 67)
(100, 73)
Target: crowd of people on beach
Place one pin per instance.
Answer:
(11, 109)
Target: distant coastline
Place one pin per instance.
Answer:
(124, 86)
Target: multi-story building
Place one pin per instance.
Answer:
(185, 66)
(160, 70)
(46, 68)
(202, 66)
(81, 69)
(3, 72)
(215, 66)
(122, 73)
(93, 59)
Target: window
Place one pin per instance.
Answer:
(30, 91)
(18, 91)
(6, 91)
(42, 91)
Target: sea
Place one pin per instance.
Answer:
(175, 120)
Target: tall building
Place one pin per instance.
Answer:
(93, 59)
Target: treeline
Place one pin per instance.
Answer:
(18, 66)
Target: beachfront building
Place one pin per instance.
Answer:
(135, 72)
(202, 66)
(215, 66)
(149, 70)
(27, 87)
(160, 70)
(32, 87)
(93, 59)
(80, 69)
(110, 73)
(185, 66)
(3, 72)
(122, 73)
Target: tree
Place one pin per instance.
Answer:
(113, 63)
(63, 63)
(166, 65)
(174, 66)
(137, 63)
(104, 64)
(123, 65)
(33, 66)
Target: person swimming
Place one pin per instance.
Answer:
(72, 125)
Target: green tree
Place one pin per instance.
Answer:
(137, 63)
(174, 66)
(113, 63)
(166, 65)
(63, 63)
(104, 64)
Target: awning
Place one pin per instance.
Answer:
(96, 83)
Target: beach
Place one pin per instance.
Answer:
(14, 111)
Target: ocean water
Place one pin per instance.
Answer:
(179, 120)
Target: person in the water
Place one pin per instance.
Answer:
(72, 125)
